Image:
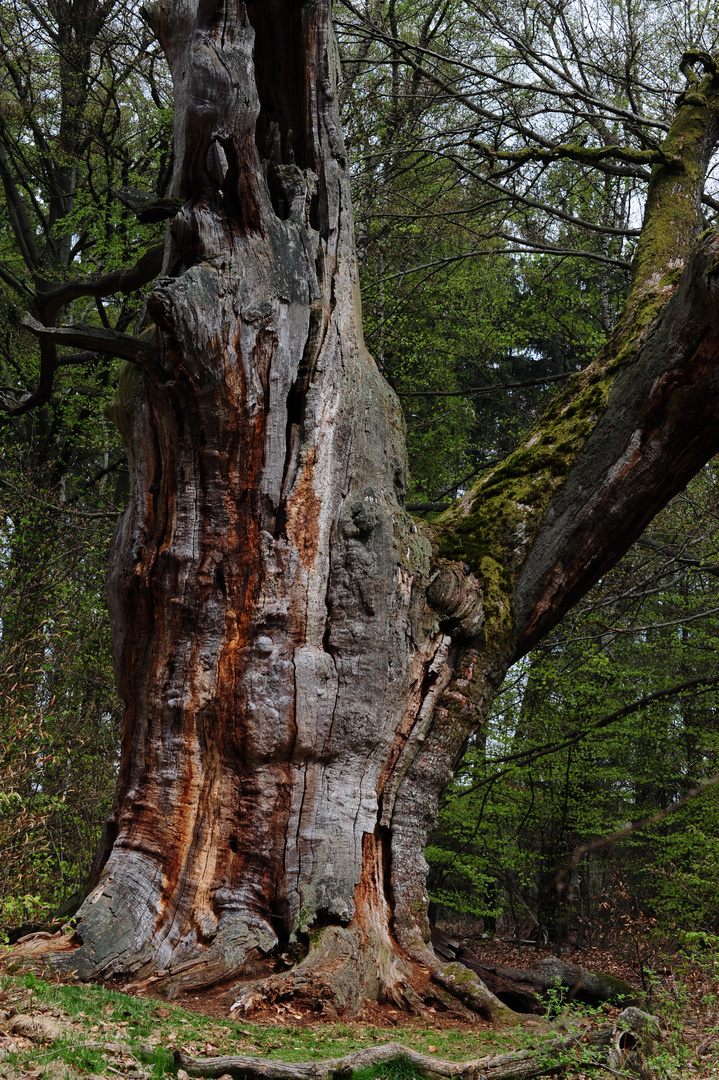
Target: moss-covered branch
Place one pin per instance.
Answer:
(541, 526)
(585, 155)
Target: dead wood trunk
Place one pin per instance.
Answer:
(519, 987)
(271, 638)
(301, 670)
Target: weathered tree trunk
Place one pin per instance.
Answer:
(267, 620)
(301, 669)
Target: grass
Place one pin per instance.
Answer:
(111, 1034)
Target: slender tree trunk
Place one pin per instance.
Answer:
(302, 669)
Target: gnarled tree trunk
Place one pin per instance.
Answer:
(302, 667)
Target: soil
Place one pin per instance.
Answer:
(216, 1001)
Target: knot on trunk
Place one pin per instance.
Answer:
(456, 595)
(361, 515)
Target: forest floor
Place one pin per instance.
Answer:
(58, 1029)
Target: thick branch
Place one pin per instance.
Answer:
(626, 434)
(122, 281)
(19, 221)
(658, 428)
(89, 338)
(96, 338)
(585, 155)
(147, 207)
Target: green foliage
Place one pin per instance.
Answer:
(84, 105)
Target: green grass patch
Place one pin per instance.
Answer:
(106, 1033)
(401, 1069)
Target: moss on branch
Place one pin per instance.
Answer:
(585, 155)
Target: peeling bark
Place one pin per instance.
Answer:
(301, 671)
(266, 589)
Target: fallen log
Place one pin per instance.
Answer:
(517, 995)
(625, 1045)
(520, 987)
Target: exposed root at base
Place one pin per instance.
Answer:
(342, 972)
(459, 982)
(336, 978)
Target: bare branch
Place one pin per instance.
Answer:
(563, 881)
(535, 204)
(122, 281)
(522, 758)
(547, 1060)
(472, 391)
(545, 87)
(94, 337)
(676, 556)
(526, 247)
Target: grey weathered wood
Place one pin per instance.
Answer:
(302, 664)
(518, 987)
(266, 584)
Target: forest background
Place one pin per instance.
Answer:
(489, 275)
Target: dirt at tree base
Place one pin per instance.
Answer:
(216, 1001)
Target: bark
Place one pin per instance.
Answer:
(301, 668)
(266, 587)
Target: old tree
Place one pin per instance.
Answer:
(302, 663)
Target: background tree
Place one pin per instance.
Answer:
(83, 111)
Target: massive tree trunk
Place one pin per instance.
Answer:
(302, 664)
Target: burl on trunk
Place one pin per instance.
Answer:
(301, 666)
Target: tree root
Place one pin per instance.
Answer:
(519, 987)
(623, 1046)
(336, 977)
(343, 971)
